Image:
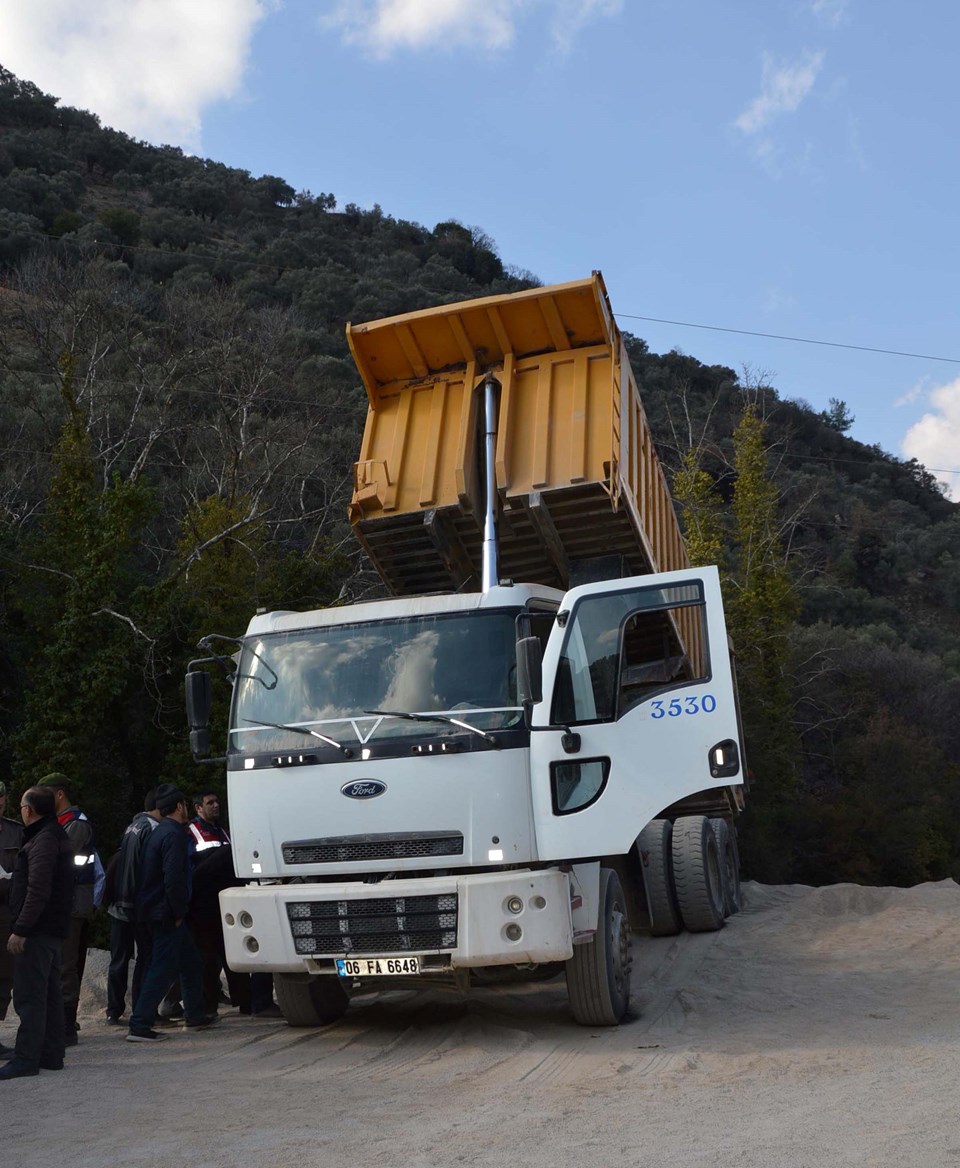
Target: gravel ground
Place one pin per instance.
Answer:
(819, 1028)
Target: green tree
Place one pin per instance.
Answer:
(78, 597)
(761, 609)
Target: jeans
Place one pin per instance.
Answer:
(38, 1000)
(124, 937)
(174, 955)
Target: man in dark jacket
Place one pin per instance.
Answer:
(125, 932)
(41, 901)
(80, 833)
(11, 836)
(163, 898)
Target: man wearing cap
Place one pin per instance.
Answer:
(80, 833)
(163, 897)
(11, 837)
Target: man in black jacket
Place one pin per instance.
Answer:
(163, 897)
(125, 931)
(41, 900)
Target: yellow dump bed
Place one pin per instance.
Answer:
(577, 473)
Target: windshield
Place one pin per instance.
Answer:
(460, 665)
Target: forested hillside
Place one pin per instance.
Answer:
(178, 419)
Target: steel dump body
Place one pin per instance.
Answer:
(574, 451)
(576, 470)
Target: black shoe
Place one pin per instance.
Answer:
(271, 1011)
(7, 1052)
(51, 1066)
(144, 1036)
(114, 1020)
(18, 1070)
(202, 1022)
(70, 1038)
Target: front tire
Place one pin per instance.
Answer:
(309, 1000)
(598, 973)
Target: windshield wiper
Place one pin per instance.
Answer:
(437, 718)
(344, 750)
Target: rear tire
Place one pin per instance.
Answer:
(598, 973)
(654, 844)
(697, 874)
(308, 1000)
(726, 835)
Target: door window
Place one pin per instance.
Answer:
(620, 649)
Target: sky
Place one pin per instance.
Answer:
(779, 167)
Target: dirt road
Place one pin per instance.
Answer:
(821, 1027)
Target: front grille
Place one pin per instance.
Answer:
(340, 849)
(388, 924)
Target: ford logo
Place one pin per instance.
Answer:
(363, 789)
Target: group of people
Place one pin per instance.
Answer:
(162, 889)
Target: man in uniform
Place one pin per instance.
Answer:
(80, 833)
(205, 826)
(11, 836)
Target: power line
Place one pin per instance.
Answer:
(716, 328)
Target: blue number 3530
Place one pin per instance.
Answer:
(688, 705)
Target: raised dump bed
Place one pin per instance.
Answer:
(577, 473)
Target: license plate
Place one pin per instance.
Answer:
(377, 966)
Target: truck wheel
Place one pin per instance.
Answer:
(654, 844)
(598, 973)
(730, 864)
(308, 1000)
(697, 874)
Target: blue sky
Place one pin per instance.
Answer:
(774, 166)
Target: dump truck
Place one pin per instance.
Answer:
(530, 749)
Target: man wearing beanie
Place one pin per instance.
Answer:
(163, 898)
(11, 837)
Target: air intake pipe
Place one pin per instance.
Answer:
(491, 401)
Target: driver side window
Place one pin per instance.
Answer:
(621, 649)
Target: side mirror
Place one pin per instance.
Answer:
(529, 671)
(198, 692)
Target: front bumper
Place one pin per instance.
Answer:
(484, 918)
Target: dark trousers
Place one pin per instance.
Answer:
(38, 1000)
(74, 955)
(174, 955)
(125, 938)
(6, 963)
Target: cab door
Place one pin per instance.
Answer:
(639, 710)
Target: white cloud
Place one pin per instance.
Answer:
(784, 86)
(913, 394)
(147, 67)
(387, 26)
(935, 439)
(831, 12)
